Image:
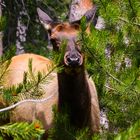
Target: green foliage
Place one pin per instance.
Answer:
(62, 129)
(22, 131)
(3, 70)
(2, 23)
(117, 82)
(133, 133)
(8, 55)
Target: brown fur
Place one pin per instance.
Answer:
(19, 65)
(78, 93)
(86, 4)
(32, 111)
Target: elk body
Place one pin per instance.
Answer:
(72, 86)
(30, 111)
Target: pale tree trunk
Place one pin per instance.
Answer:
(20, 34)
(78, 9)
(22, 28)
(1, 33)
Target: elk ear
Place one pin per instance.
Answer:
(91, 15)
(44, 19)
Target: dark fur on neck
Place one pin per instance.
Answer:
(74, 94)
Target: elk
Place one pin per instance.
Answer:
(71, 86)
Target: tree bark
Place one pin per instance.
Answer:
(22, 27)
(78, 8)
(1, 33)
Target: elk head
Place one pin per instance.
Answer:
(69, 31)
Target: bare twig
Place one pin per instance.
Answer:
(116, 79)
(110, 87)
(25, 101)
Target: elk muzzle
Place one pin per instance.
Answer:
(73, 58)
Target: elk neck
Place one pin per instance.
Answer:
(74, 93)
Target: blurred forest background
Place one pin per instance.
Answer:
(113, 61)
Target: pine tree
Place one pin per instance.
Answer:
(114, 53)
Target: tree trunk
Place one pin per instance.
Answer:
(22, 28)
(1, 33)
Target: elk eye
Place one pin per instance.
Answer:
(76, 26)
(55, 42)
(52, 40)
(59, 28)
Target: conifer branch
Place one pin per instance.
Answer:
(5, 69)
(110, 88)
(22, 130)
(103, 5)
(43, 78)
(124, 20)
(91, 53)
(116, 78)
(131, 133)
(130, 3)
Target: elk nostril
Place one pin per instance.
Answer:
(70, 59)
(73, 61)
